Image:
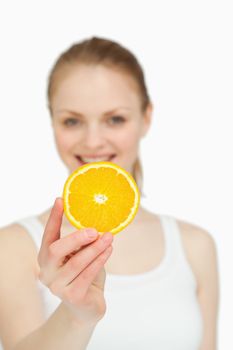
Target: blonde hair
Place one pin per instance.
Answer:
(111, 54)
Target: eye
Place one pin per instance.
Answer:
(71, 122)
(117, 119)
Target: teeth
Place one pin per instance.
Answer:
(90, 160)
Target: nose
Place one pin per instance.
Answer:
(93, 137)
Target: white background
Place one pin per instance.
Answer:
(185, 48)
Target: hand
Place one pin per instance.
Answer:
(72, 267)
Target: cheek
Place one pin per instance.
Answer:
(63, 141)
(128, 139)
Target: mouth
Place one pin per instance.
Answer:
(86, 160)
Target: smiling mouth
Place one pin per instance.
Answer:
(94, 159)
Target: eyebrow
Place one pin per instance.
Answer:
(81, 115)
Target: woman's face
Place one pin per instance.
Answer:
(96, 115)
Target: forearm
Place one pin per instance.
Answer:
(59, 332)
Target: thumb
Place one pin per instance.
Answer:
(53, 226)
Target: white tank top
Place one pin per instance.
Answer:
(156, 310)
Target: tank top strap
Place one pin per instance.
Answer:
(175, 245)
(34, 227)
(173, 237)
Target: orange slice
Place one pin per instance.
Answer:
(101, 195)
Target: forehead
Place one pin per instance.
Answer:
(87, 88)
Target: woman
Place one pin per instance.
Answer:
(155, 284)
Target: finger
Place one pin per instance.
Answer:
(82, 259)
(80, 285)
(70, 244)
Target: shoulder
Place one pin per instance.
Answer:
(14, 233)
(200, 249)
(195, 235)
(16, 243)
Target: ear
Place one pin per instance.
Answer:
(147, 118)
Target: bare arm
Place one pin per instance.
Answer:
(79, 282)
(59, 332)
(202, 255)
(208, 291)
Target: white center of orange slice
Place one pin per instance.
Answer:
(100, 198)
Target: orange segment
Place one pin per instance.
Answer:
(101, 195)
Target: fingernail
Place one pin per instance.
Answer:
(91, 233)
(107, 237)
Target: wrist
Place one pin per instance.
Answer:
(72, 320)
